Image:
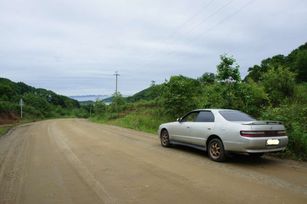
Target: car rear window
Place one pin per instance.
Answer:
(236, 116)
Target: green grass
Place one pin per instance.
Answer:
(146, 120)
(4, 130)
(139, 122)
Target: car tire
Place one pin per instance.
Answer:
(255, 155)
(216, 150)
(164, 138)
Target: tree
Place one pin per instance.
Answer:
(40, 104)
(207, 78)
(250, 98)
(99, 107)
(228, 68)
(118, 103)
(179, 95)
(300, 66)
(7, 92)
(279, 83)
(255, 73)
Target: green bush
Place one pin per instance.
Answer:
(294, 117)
(279, 83)
(213, 96)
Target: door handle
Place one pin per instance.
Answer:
(188, 127)
(209, 128)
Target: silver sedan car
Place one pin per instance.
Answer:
(223, 130)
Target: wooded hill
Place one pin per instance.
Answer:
(296, 62)
(38, 103)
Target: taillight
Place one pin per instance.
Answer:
(270, 133)
(252, 133)
(281, 133)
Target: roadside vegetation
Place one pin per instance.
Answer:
(274, 90)
(4, 130)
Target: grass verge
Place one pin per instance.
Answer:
(5, 129)
(142, 120)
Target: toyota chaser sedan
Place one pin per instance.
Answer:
(223, 130)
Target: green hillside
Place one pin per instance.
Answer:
(38, 103)
(296, 62)
(147, 94)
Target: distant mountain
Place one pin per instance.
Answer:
(89, 97)
(147, 94)
(108, 100)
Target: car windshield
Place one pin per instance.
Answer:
(236, 116)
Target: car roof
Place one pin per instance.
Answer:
(213, 109)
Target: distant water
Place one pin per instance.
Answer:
(89, 97)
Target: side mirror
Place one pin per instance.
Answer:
(179, 119)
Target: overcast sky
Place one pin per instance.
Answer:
(73, 47)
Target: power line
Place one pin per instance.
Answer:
(178, 28)
(223, 20)
(190, 19)
(218, 10)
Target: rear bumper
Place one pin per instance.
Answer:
(265, 150)
(259, 145)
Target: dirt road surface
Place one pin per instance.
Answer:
(76, 161)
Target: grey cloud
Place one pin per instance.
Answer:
(73, 47)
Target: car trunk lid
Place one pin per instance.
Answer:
(263, 129)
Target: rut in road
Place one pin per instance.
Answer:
(76, 161)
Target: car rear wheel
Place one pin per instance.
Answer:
(216, 150)
(165, 139)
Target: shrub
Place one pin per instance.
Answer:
(294, 117)
(279, 83)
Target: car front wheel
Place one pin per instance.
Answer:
(216, 150)
(165, 139)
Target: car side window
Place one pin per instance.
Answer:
(191, 117)
(205, 116)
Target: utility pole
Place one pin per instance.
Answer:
(21, 104)
(116, 76)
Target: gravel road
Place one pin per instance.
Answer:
(76, 161)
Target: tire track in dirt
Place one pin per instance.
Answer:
(82, 170)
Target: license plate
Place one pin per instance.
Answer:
(272, 142)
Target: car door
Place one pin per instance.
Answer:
(201, 128)
(181, 131)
